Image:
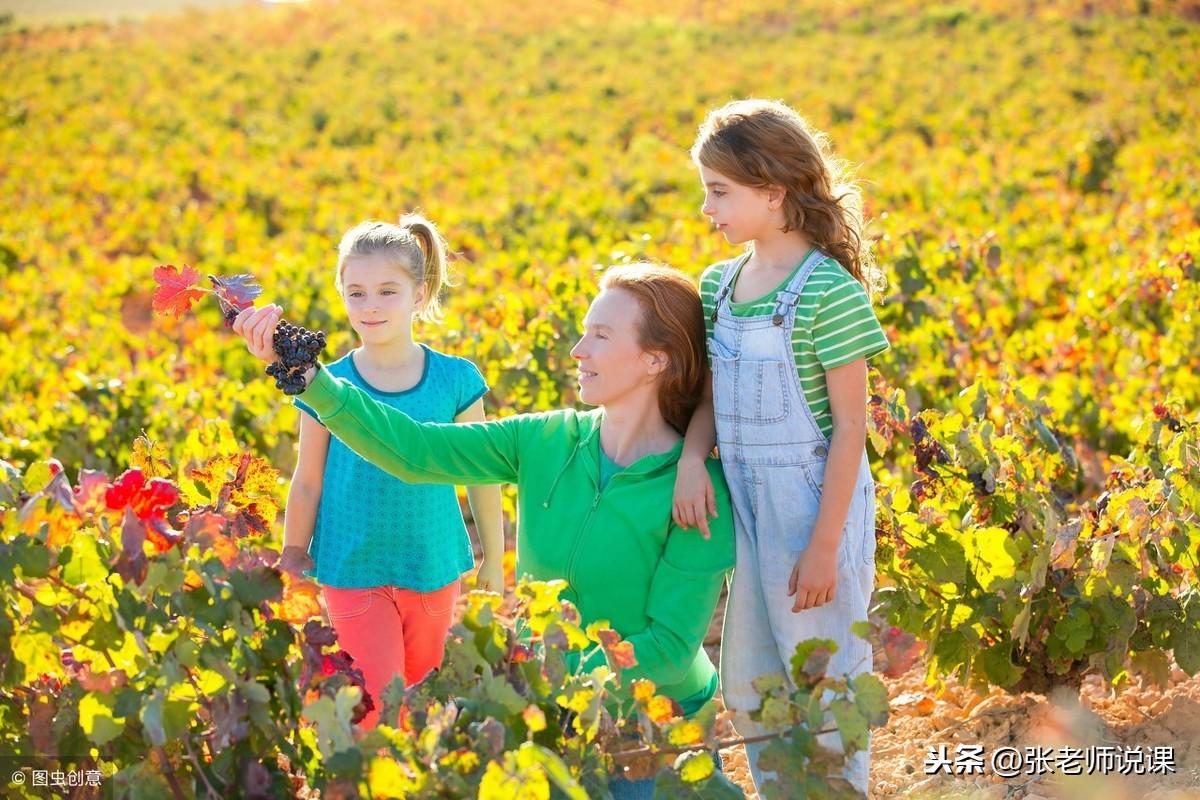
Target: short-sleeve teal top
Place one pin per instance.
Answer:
(373, 529)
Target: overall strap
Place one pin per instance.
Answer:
(725, 288)
(785, 301)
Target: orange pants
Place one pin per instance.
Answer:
(391, 631)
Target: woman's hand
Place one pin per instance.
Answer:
(814, 577)
(257, 327)
(490, 577)
(694, 500)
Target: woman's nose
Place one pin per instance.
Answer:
(577, 350)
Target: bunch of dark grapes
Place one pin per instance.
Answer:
(297, 349)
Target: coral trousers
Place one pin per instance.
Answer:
(391, 631)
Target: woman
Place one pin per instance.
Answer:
(594, 488)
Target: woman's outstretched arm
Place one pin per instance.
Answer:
(418, 452)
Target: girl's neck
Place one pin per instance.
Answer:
(390, 355)
(780, 251)
(634, 427)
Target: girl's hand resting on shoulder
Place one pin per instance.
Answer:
(694, 501)
(257, 327)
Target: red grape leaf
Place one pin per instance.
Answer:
(149, 500)
(619, 652)
(131, 562)
(901, 649)
(162, 535)
(621, 656)
(176, 290)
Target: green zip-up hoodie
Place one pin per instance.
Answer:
(623, 557)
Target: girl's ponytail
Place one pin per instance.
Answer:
(434, 275)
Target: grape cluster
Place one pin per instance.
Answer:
(297, 349)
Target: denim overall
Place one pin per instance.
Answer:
(773, 453)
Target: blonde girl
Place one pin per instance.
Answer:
(389, 554)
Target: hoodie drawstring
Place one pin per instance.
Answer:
(561, 472)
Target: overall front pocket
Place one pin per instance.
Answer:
(751, 392)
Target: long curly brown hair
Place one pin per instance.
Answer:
(764, 143)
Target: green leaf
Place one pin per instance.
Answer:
(164, 720)
(852, 725)
(944, 560)
(979, 404)
(151, 716)
(993, 554)
(669, 785)
(332, 720)
(84, 565)
(778, 713)
(1187, 649)
(997, 665)
(32, 557)
(871, 698)
(96, 719)
(500, 691)
(556, 769)
(142, 781)
(256, 587)
(1074, 630)
(37, 652)
(390, 699)
(1045, 435)
(769, 683)
(1153, 663)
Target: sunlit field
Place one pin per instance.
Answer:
(1031, 175)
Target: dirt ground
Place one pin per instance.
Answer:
(1141, 717)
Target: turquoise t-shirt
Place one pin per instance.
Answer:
(608, 468)
(374, 529)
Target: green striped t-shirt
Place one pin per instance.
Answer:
(834, 324)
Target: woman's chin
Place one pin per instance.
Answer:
(590, 396)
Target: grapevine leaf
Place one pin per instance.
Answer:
(811, 660)
(301, 600)
(871, 698)
(852, 725)
(96, 719)
(238, 291)
(176, 291)
(150, 457)
(88, 496)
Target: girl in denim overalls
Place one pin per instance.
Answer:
(790, 328)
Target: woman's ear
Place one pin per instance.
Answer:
(656, 361)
